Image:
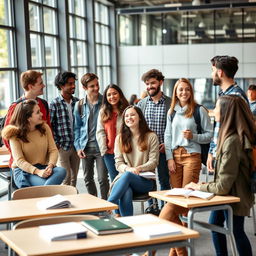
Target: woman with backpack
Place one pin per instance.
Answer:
(182, 143)
(33, 148)
(108, 125)
(234, 166)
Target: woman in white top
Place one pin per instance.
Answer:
(182, 141)
(136, 151)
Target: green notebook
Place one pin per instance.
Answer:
(106, 226)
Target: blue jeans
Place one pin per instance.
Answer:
(109, 160)
(163, 176)
(219, 240)
(24, 179)
(123, 189)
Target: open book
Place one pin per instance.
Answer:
(54, 202)
(187, 193)
(106, 226)
(63, 231)
(148, 175)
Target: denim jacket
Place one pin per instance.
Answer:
(81, 122)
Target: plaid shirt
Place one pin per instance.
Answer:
(232, 90)
(253, 107)
(61, 125)
(155, 115)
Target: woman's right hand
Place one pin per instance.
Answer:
(133, 170)
(44, 173)
(171, 166)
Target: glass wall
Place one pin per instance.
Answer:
(189, 27)
(43, 28)
(8, 66)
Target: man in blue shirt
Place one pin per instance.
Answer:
(85, 121)
(224, 69)
(61, 113)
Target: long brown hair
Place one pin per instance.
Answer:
(126, 134)
(191, 101)
(107, 108)
(235, 118)
(23, 111)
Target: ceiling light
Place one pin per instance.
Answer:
(188, 15)
(239, 13)
(164, 31)
(173, 5)
(201, 24)
(196, 2)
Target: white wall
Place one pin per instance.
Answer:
(175, 61)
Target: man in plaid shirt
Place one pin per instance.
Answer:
(224, 69)
(61, 112)
(155, 107)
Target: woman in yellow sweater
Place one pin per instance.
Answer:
(32, 146)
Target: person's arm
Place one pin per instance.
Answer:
(53, 119)
(101, 136)
(52, 149)
(18, 156)
(7, 121)
(228, 168)
(168, 138)
(153, 154)
(207, 128)
(120, 164)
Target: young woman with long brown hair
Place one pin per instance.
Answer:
(182, 141)
(233, 169)
(108, 125)
(136, 151)
(33, 148)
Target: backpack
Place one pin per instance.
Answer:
(204, 147)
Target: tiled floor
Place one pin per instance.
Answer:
(203, 245)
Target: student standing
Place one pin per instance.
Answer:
(136, 151)
(224, 69)
(155, 107)
(108, 126)
(26, 133)
(182, 141)
(61, 111)
(237, 135)
(85, 122)
(251, 92)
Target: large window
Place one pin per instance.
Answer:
(102, 39)
(44, 41)
(78, 39)
(189, 27)
(8, 66)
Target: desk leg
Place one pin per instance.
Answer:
(227, 231)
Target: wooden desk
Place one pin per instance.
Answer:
(93, 245)
(196, 205)
(17, 210)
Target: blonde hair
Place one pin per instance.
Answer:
(191, 101)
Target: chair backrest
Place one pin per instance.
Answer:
(43, 191)
(52, 220)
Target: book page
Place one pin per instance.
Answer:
(178, 192)
(201, 194)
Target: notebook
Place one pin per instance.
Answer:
(188, 193)
(54, 202)
(106, 226)
(148, 175)
(63, 231)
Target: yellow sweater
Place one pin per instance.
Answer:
(40, 149)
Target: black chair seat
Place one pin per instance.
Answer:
(138, 197)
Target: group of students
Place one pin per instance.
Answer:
(126, 140)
